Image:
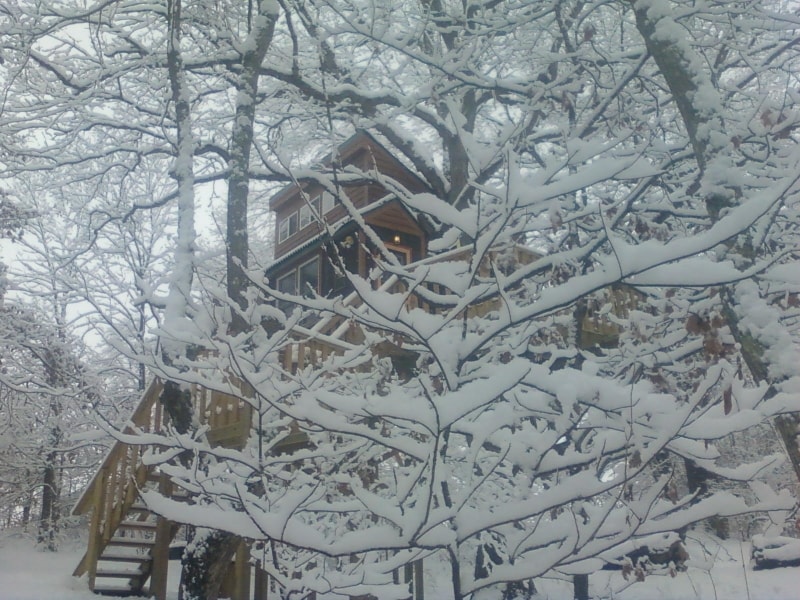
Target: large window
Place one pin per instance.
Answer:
(319, 205)
(308, 277)
(304, 281)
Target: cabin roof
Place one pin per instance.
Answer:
(360, 140)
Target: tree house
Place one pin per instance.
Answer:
(316, 236)
(319, 234)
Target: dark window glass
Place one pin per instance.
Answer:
(308, 277)
(288, 285)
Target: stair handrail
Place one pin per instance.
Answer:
(141, 418)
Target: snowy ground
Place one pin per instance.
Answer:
(26, 574)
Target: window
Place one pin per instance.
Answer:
(308, 277)
(287, 227)
(307, 215)
(288, 283)
(402, 253)
(303, 280)
(328, 202)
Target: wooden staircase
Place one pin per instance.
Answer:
(128, 547)
(126, 562)
(128, 544)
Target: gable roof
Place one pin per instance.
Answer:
(360, 141)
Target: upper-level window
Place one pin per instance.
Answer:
(287, 227)
(319, 205)
(308, 212)
(328, 202)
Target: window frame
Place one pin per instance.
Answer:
(308, 213)
(299, 285)
(327, 202)
(285, 227)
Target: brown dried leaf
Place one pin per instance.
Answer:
(556, 220)
(627, 569)
(727, 400)
(671, 493)
(695, 324)
(713, 345)
(566, 101)
(635, 460)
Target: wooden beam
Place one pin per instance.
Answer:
(158, 577)
(419, 581)
(261, 583)
(241, 571)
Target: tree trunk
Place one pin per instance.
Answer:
(48, 518)
(206, 563)
(236, 235)
(205, 566)
(674, 60)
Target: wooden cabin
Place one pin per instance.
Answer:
(317, 229)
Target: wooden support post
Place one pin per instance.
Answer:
(109, 487)
(580, 584)
(98, 502)
(261, 583)
(158, 576)
(241, 569)
(408, 577)
(419, 582)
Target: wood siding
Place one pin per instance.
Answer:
(363, 152)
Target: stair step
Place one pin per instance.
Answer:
(119, 573)
(139, 508)
(142, 525)
(131, 542)
(119, 557)
(113, 590)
